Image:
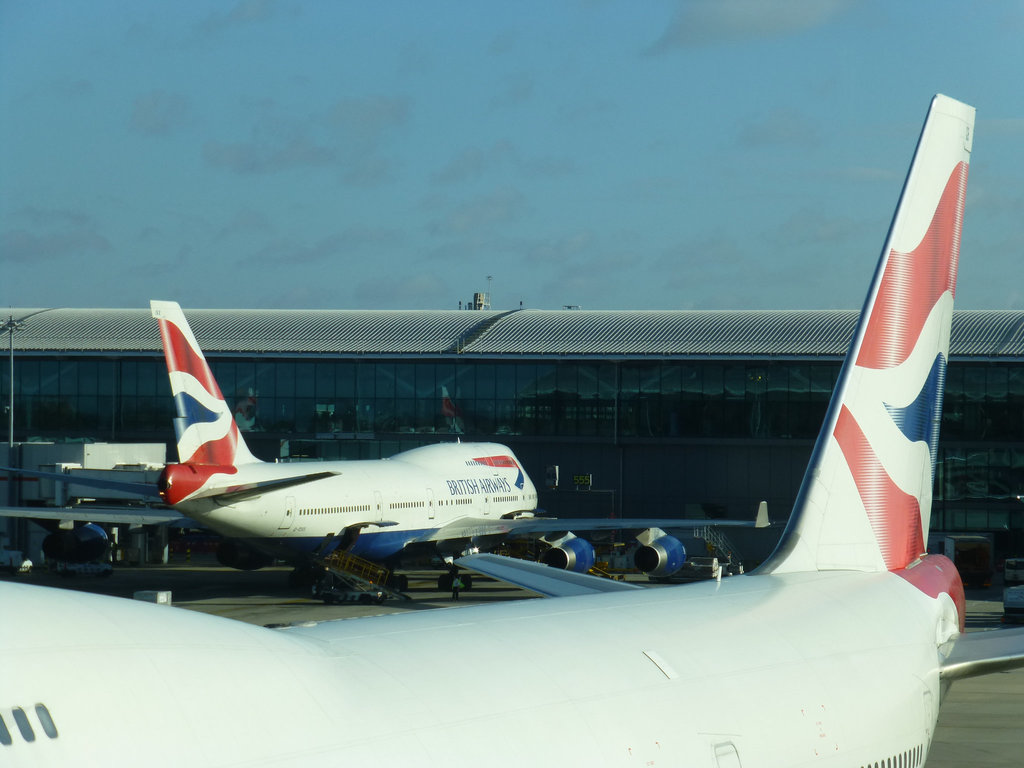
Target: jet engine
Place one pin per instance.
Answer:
(236, 555)
(570, 553)
(659, 554)
(81, 544)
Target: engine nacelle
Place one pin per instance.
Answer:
(235, 555)
(659, 554)
(570, 553)
(81, 544)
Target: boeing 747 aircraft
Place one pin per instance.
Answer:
(448, 498)
(836, 652)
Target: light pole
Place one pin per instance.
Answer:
(10, 325)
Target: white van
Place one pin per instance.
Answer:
(1013, 571)
(1013, 605)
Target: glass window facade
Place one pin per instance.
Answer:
(366, 408)
(120, 399)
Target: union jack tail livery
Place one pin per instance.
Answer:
(204, 425)
(865, 500)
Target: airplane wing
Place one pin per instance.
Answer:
(980, 653)
(527, 525)
(539, 578)
(473, 527)
(89, 514)
(141, 489)
(219, 494)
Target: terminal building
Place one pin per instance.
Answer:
(630, 413)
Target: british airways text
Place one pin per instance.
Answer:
(473, 486)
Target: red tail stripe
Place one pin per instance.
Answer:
(181, 357)
(913, 282)
(220, 452)
(895, 516)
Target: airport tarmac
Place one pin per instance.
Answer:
(981, 722)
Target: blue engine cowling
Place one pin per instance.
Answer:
(661, 557)
(82, 544)
(570, 553)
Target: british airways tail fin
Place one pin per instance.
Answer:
(205, 426)
(865, 500)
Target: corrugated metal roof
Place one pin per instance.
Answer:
(574, 332)
(519, 333)
(250, 330)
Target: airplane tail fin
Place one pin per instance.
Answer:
(205, 425)
(865, 500)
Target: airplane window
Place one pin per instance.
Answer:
(21, 719)
(46, 721)
(5, 735)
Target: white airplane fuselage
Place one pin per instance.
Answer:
(680, 675)
(398, 500)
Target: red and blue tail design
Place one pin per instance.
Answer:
(866, 498)
(205, 426)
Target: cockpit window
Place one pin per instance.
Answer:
(46, 721)
(5, 735)
(21, 719)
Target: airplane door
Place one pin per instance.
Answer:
(378, 503)
(289, 514)
(430, 504)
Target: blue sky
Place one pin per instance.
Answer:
(704, 154)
